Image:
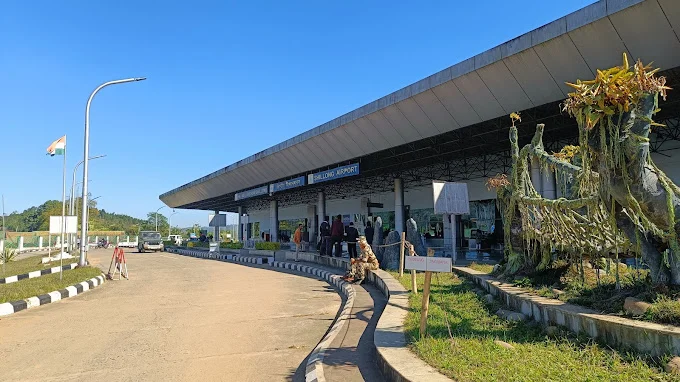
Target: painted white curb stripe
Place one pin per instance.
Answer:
(54, 296)
(34, 274)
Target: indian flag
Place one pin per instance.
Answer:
(57, 147)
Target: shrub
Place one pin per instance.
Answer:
(229, 245)
(665, 310)
(168, 243)
(268, 246)
(7, 255)
(191, 244)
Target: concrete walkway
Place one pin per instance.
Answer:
(177, 319)
(351, 356)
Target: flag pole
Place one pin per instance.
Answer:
(63, 216)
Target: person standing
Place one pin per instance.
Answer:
(368, 233)
(351, 239)
(337, 233)
(297, 239)
(325, 232)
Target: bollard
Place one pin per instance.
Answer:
(2, 245)
(40, 242)
(20, 246)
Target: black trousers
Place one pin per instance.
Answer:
(337, 242)
(352, 249)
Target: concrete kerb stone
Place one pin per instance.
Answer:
(625, 333)
(314, 367)
(12, 307)
(34, 274)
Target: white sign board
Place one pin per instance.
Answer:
(418, 263)
(219, 220)
(71, 225)
(450, 198)
(431, 264)
(439, 264)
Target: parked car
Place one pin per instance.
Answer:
(150, 241)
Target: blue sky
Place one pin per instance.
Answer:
(226, 79)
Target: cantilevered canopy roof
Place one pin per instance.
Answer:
(523, 73)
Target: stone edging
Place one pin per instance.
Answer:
(625, 333)
(8, 308)
(34, 274)
(314, 368)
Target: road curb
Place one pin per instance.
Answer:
(314, 368)
(34, 274)
(12, 307)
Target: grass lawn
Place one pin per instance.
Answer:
(486, 268)
(30, 264)
(470, 354)
(32, 287)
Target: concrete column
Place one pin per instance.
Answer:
(239, 233)
(127, 238)
(216, 230)
(20, 247)
(549, 185)
(245, 220)
(40, 242)
(399, 205)
(274, 220)
(536, 176)
(321, 208)
(312, 226)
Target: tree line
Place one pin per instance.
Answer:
(37, 218)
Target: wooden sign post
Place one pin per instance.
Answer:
(428, 264)
(401, 255)
(414, 284)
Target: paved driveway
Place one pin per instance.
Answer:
(176, 319)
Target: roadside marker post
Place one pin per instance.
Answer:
(428, 264)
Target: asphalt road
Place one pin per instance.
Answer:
(176, 319)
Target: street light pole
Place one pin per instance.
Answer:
(157, 217)
(83, 228)
(74, 184)
(169, 224)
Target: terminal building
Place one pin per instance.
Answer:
(381, 159)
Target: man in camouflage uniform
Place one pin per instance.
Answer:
(367, 261)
